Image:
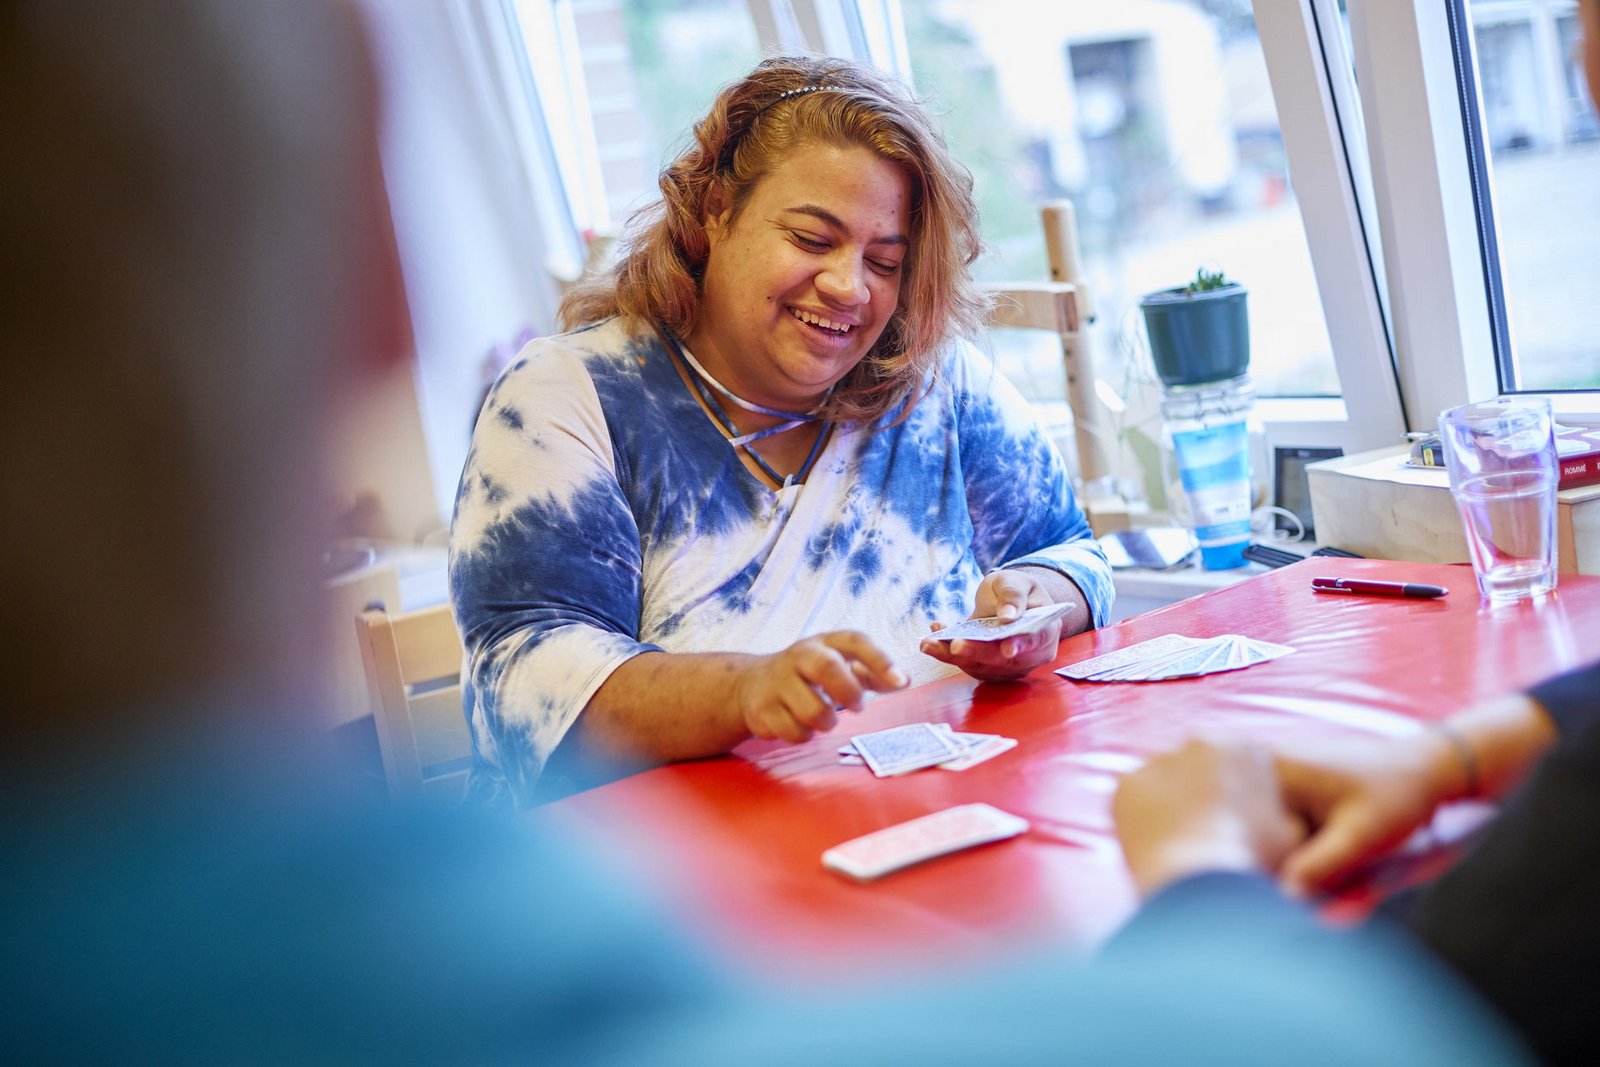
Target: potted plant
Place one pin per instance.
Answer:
(1198, 332)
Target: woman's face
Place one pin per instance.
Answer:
(798, 287)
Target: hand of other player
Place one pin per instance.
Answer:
(1360, 798)
(1364, 797)
(1005, 594)
(1207, 806)
(792, 694)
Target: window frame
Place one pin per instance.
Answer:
(555, 78)
(1325, 141)
(870, 31)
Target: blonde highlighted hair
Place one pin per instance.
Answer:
(752, 127)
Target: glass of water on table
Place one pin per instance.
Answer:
(1501, 456)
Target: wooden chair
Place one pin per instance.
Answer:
(1061, 306)
(346, 697)
(413, 665)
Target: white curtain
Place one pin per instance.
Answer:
(479, 214)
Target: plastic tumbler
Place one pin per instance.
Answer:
(1208, 428)
(1501, 456)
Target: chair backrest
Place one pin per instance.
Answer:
(1061, 306)
(413, 665)
(346, 697)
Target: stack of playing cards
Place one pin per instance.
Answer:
(894, 847)
(1174, 656)
(993, 629)
(902, 749)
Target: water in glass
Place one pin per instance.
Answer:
(1510, 520)
(1501, 455)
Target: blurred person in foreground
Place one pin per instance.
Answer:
(197, 267)
(1518, 915)
(765, 463)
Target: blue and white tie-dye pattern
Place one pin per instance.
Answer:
(601, 514)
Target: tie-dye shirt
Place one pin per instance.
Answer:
(602, 514)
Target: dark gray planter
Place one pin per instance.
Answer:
(1198, 337)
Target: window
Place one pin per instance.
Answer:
(1156, 119)
(1485, 164)
(1542, 142)
(636, 74)
(1319, 152)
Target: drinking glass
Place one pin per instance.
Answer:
(1501, 455)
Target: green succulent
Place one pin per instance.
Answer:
(1207, 280)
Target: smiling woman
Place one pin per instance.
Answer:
(818, 250)
(764, 464)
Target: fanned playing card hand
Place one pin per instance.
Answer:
(1174, 656)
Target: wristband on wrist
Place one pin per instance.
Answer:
(1464, 752)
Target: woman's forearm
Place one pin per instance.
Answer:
(659, 706)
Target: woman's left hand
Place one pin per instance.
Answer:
(1005, 594)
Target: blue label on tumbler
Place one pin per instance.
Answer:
(1214, 466)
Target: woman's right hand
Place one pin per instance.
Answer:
(793, 693)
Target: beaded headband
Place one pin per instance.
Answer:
(781, 97)
(789, 94)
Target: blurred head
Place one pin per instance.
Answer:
(197, 267)
(754, 131)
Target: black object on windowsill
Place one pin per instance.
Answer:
(1269, 556)
(1280, 557)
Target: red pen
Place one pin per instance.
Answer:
(1367, 587)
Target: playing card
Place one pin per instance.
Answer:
(1212, 655)
(850, 756)
(1230, 652)
(972, 749)
(1146, 668)
(1207, 659)
(969, 740)
(1265, 650)
(906, 748)
(978, 752)
(873, 855)
(1156, 646)
(993, 629)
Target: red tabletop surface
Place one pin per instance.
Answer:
(735, 843)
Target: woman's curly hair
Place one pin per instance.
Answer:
(752, 127)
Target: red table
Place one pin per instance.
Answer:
(735, 843)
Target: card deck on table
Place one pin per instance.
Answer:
(906, 748)
(993, 629)
(973, 750)
(876, 854)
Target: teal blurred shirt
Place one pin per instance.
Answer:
(208, 908)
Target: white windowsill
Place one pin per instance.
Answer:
(1140, 590)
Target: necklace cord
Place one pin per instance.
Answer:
(704, 383)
